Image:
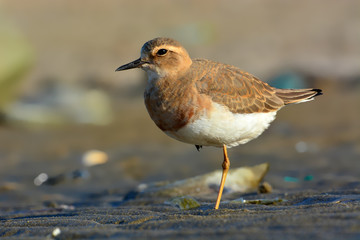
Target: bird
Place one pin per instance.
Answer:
(207, 103)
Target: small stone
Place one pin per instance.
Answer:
(56, 232)
(265, 187)
(40, 179)
(308, 178)
(291, 179)
(184, 202)
(94, 157)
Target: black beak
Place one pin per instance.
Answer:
(134, 64)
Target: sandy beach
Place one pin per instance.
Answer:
(64, 101)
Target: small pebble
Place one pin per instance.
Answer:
(56, 232)
(308, 178)
(40, 179)
(94, 157)
(291, 179)
(184, 202)
(265, 187)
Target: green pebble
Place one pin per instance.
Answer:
(291, 179)
(184, 202)
(308, 178)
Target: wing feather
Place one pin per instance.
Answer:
(240, 91)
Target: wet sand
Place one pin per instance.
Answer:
(313, 148)
(316, 192)
(312, 215)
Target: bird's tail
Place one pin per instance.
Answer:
(297, 95)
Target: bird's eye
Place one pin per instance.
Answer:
(161, 52)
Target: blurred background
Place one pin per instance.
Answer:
(60, 97)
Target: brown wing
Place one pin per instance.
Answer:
(241, 92)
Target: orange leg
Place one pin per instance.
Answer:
(225, 166)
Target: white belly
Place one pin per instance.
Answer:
(221, 126)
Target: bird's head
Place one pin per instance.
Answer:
(161, 57)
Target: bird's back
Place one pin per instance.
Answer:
(242, 92)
